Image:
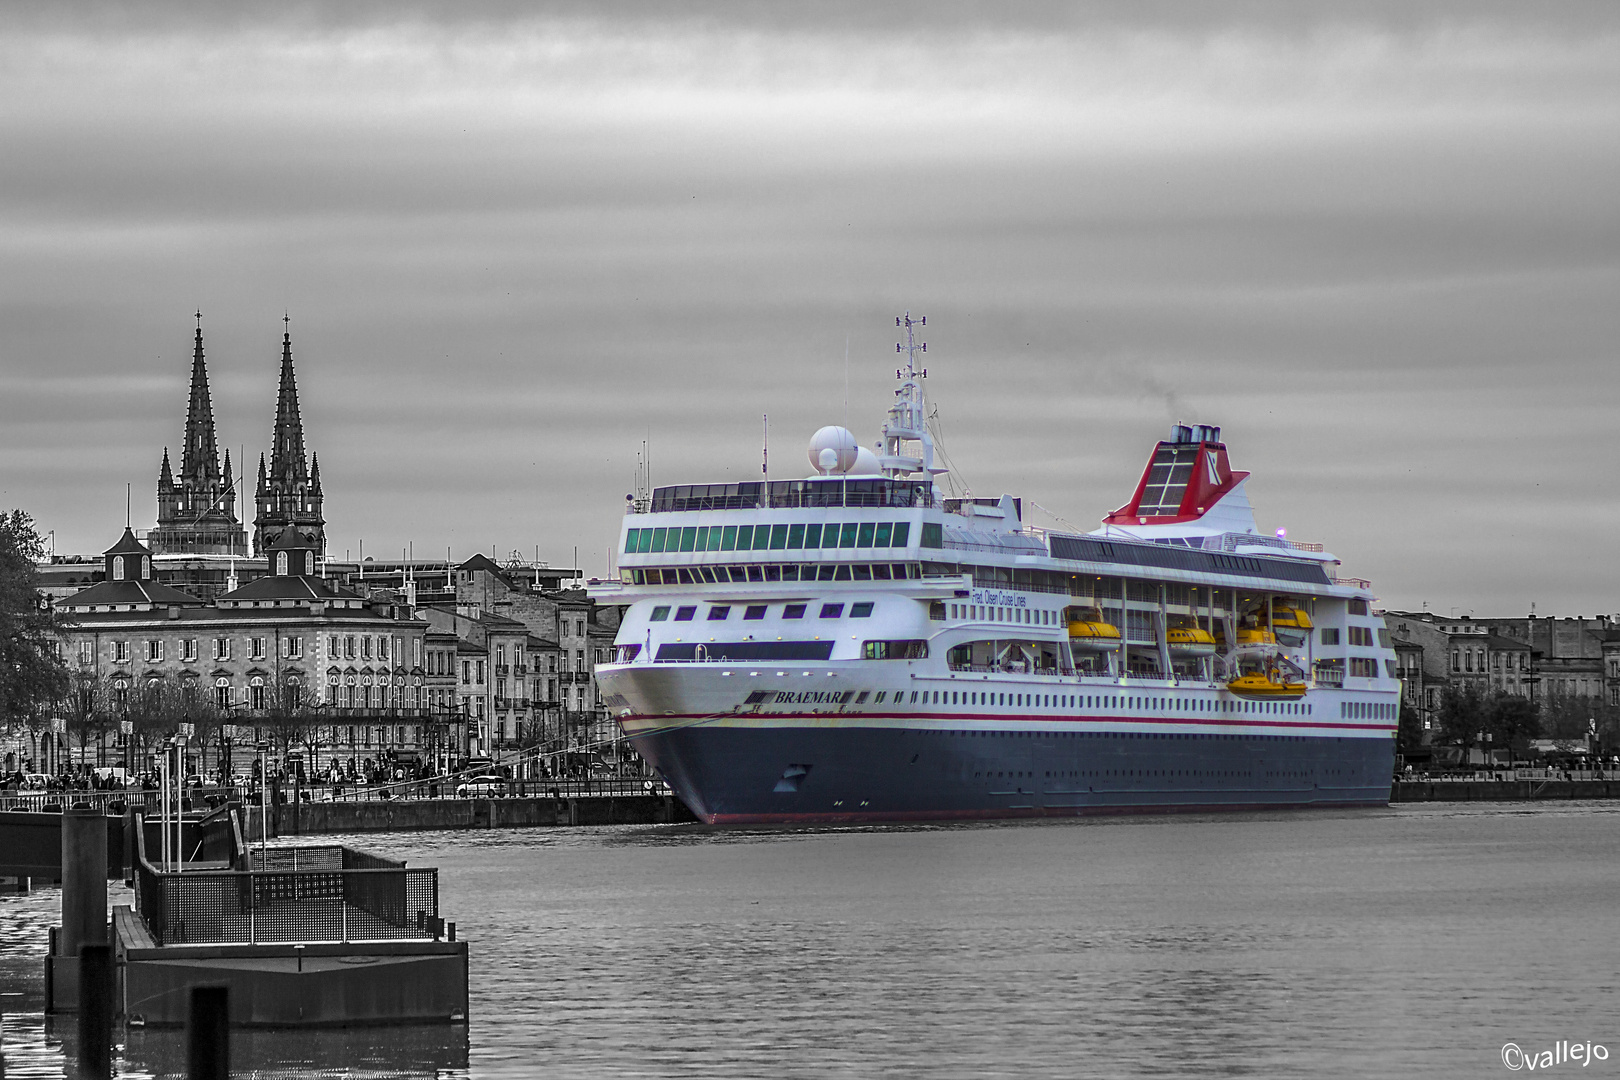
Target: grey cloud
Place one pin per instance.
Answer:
(1378, 247)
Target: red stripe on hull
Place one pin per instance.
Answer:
(1175, 721)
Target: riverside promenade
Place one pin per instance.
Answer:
(403, 806)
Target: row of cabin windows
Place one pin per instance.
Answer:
(848, 534)
(722, 612)
(1210, 706)
(1026, 616)
(701, 575)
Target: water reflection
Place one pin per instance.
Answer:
(40, 1047)
(437, 1051)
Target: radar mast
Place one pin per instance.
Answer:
(908, 421)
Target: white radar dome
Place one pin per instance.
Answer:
(866, 463)
(845, 450)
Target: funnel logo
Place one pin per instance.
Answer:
(1562, 1052)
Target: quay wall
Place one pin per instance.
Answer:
(395, 815)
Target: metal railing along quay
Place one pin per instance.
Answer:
(450, 788)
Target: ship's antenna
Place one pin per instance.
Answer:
(846, 382)
(765, 454)
(1054, 517)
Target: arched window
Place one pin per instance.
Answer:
(295, 691)
(281, 564)
(309, 564)
(222, 692)
(256, 693)
(121, 693)
(118, 568)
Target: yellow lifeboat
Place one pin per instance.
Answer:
(1090, 633)
(1255, 635)
(1266, 687)
(1291, 626)
(1189, 641)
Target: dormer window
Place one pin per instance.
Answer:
(146, 567)
(309, 564)
(118, 568)
(281, 564)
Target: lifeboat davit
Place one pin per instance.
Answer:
(1291, 626)
(1189, 641)
(1091, 634)
(1266, 687)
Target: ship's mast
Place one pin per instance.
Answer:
(908, 421)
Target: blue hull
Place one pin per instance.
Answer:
(738, 775)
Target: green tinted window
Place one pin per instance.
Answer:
(933, 534)
(714, 538)
(688, 537)
(745, 537)
(902, 532)
(729, 538)
(630, 539)
(796, 536)
(882, 534)
(779, 535)
(762, 537)
(703, 537)
(658, 539)
(865, 538)
(812, 536)
(846, 538)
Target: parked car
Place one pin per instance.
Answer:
(481, 787)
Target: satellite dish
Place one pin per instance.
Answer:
(829, 460)
(866, 463)
(844, 446)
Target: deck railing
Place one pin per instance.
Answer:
(315, 894)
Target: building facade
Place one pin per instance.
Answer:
(286, 660)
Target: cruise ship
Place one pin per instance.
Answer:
(857, 645)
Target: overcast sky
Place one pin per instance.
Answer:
(1381, 250)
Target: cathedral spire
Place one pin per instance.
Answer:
(289, 494)
(199, 462)
(287, 462)
(196, 514)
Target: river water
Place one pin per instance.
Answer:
(1412, 941)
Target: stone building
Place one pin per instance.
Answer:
(284, 659)
(578, 630)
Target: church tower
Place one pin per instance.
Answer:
(289, 491)
(197, 512)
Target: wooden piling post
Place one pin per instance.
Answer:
(95, 1009)
(208, 1034)
(84, 880)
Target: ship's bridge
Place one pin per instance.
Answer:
(791, 494)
